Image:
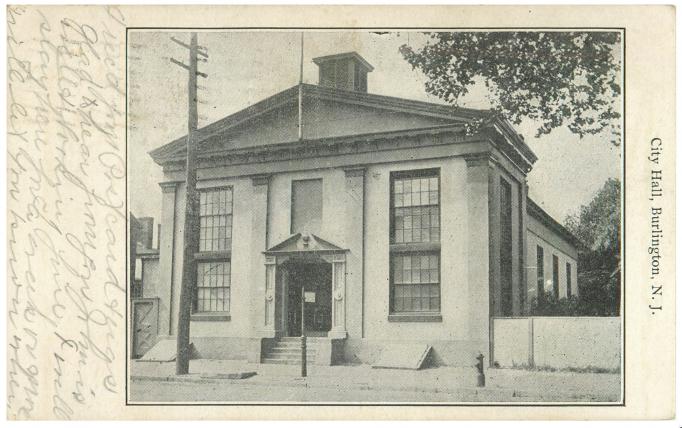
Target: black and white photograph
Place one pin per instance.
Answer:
(372, 213)
(375, 216)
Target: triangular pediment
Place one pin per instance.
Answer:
(302, 242)
(331, 114)
(327, 113)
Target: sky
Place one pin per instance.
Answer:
(245, 67)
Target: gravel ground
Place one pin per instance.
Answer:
(206, 382)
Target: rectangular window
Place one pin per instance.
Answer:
(416, 282)
(306, 206)
(137, 292)
(555, 275)
(541, 272)
(360, 79)
(569, 292)
(215, 219)
(415, 220)
(138, 269)
(212, 293)
(415, 208)
(213, 287)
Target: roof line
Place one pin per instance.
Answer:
(217, 126)
(292, 92)
(536, 211)
(357, 56)
(373, 100)
(425, 104)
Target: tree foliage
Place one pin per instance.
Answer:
(553, 78)
(597, 226)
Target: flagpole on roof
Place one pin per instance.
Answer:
(300, 95)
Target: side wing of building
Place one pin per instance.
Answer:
(552, 256)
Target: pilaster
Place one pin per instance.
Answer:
(354, 241)
(339, 298)
(523, 247)
(263, 274)
(166, 258)
(479, 248)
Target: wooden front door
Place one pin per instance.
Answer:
(315, 280)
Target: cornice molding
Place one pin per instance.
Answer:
(308, 149)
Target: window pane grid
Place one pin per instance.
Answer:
(215, 220)
(213, 287)
(416, 224)
(416, 286)
(416, 211)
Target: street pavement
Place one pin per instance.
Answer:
(207, 382)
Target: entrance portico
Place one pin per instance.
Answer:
(305, 263)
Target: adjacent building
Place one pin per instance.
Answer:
(144, 280)
(388, 219)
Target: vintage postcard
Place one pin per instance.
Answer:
(434, 212)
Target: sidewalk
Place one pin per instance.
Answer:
(501, 384)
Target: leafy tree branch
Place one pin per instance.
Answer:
(553, 78)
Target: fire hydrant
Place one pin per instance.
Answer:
(479, 366)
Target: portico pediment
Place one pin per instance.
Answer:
(305, 248)
(303, 243)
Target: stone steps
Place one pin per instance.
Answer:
(292, 354)
(280, 349)
(287, 361)
(313, 339)
(287, 350)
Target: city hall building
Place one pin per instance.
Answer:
(383, 216)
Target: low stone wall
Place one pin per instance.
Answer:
(557, 342)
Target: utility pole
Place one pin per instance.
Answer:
(191, 229)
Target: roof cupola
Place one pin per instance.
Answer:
(347, 71)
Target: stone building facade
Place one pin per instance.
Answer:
(388, 219)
